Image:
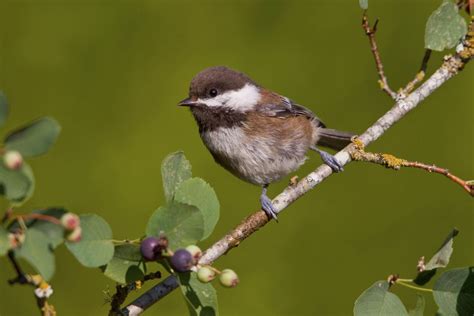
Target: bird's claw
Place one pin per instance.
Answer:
(267, 207)
(331, 161)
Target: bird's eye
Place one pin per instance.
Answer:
(213, 92)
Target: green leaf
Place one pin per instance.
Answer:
(200, 297)
(198, 193)
(127, 265)
(441, 257)
(419, 307)
(445, 27)
(378, 301)
(35, 138)
(364, 4)
(454, 292)
(95, 248)
(37, 251)
(3, 108)
(17, 185)
(182, 224)
(54, 232)
(175, 168)
(439, 260)
(4, 243)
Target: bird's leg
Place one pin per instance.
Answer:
(267, 204)
(328, 159)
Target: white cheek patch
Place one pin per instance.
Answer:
(242, 100)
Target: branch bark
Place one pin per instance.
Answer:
(395, 163)
(450, 67)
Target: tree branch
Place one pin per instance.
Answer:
(450, 67)
(396, 163)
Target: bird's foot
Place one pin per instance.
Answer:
(329, 160)
(267, 205)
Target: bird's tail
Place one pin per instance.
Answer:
(334, 139)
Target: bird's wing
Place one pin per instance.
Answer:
(275, 105)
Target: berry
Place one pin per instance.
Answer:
(182, 260)
(150, 248)
(16, 239)
(75, 235)
(195, 251)
(162, 243)
(13, 160)
(229, 278)
(70, 221)
(206, 274)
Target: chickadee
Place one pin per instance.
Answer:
(256, 134)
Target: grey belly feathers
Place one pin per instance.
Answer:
(256, 160)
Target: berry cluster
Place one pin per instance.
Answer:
(185, 260)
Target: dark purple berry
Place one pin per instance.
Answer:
(150, 248)
(182, 260)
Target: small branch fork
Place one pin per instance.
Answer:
(370, 32)
(404, 104)
(36, 281)
(392, 162)
(383, 81)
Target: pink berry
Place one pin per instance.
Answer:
(13, 160)
(70, 221)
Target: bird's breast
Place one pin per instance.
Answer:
(261, 150)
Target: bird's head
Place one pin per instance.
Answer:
(222, 88)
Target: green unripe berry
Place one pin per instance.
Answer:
(206, 274)
(195, 251)
(228, 278)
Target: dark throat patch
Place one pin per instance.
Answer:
(209, 119)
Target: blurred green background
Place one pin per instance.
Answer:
(111, 72)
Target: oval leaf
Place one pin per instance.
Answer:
(4, 244)
(200, 194)
(54, 232)
(439, 260)
(38, 252)
(17, 185)
(200, 297)
(127, 265)
(454, 292)
(182, 224)
(34, 139)
(3, 108)
(175, 169)
(378, 301)
(445, 27)
(95, 248)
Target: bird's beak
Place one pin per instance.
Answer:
(187, 102)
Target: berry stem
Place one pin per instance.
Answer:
(399, 281)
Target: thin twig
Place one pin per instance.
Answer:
(46, 309)
(370, 32)
(38, 216)
(7, 215)
(451, 66)
(420, 75)
(21, 277)
(396, 163)
(122, 291)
